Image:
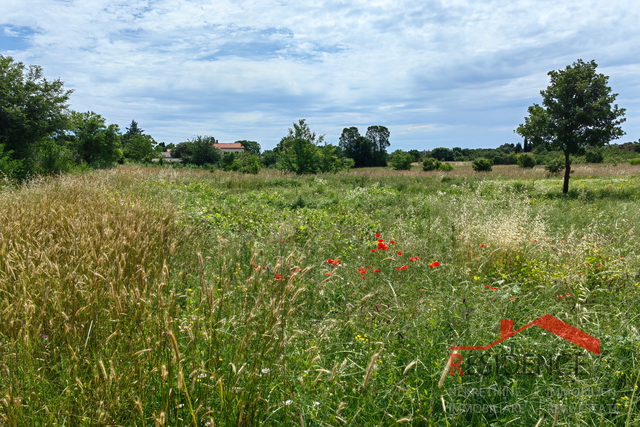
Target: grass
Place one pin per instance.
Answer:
(153, 296)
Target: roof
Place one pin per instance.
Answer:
(229, 145)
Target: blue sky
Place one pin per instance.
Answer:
(449, 73)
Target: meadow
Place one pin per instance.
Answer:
(150, 296)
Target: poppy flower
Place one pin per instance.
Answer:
(486, 286)
(378, 235)
(494, 289)
(393, 242)
(483, 245)
(362, 271)
(377, 270)
(278, 276)
(330, 260)
(328, 273)
(373, 250)
(404, 267)
(399, 253)
(434, 264)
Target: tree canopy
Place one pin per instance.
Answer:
(576, 112)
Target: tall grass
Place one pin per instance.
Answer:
(151, 296)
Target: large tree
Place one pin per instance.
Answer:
(357, 147)
(93, 141)
(379, 137)
(32, 108)
(576, 112)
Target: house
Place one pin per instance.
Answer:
(165, 156)
(229, 147)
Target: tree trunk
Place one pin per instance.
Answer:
(567, 172)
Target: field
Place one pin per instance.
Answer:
(146, 296)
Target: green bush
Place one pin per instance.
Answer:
(594, 157)
(401, 160)
(482, 165)
(430, 164)
(555, 165)
(635, 161)
(445, 167)
(527, 161)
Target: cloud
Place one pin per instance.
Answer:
(247, 69)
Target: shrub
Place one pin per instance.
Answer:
(635, 161)
(482, 165)
(527, 161)
(555, 165)
(430, 164)
(594, 157)
(401, 160)
(445, 167)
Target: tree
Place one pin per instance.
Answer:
(357, 147)
(32, 108)
(576, 113)
(199, 151)
(93, 141)
(250, 146)
(379, 137)
(139, 147)
(401, 160)
(132, 130)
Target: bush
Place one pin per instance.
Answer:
(527, 161)
(635, 161)
(401, 160)
(445, 167)
(594, 157)
(482, 165)
(555, 165)
(430, 164)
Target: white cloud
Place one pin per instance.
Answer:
(248, 69)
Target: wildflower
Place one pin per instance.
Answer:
(404, 267)
(373, 250)
(266, 370)
(377, 270)
(399, 253)
(434, 264)
(380, 240)
(494, 289)
(486, 286)
(288, 402)
(328, 273)
(316, 403)
(378, 235)
(330, 261)
(362, 271)
(393, 242)
(415, 258)
(256, 267)
(483, 245)
(278, 276)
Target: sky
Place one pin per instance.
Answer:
(450, 73)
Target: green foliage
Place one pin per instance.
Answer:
(443, 154)
(199, 151)
(379, 137)
(269, 158)
(250, 146)
(482, 165)
(299, 152)
(94, 142)
(246, 162)
(357, 147)
(401, 160)
(526, 160)
(594, 156)
(32, 108)
(139, 148)
(555, 165)
(577, 113)
(430, 164)
(635, 161)
(445, 167)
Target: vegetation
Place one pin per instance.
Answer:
(482, 165)
(160, 296)
(576, 113)
(401, 160)
(526, 160)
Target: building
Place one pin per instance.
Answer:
(229, 147)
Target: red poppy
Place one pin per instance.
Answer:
(486, 286)
(330, 260)
(256, 267)
(399, 253)
(434, 264)
(378, 235)
(415, 258)
(494, 289)
(278, 276)
(328, 273)
(373, 250)
(377, 270)
(362, 271)
(404, 267)
(393, 242)
(483, 245)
